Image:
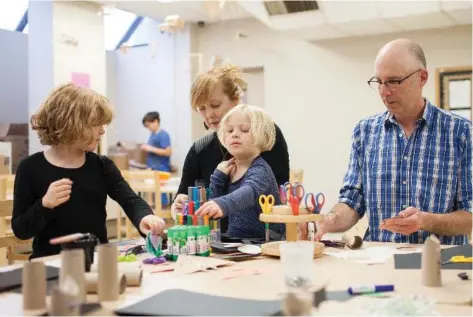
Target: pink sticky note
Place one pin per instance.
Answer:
(81, 79)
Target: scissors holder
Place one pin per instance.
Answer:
(283, 214)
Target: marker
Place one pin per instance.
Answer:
(354, 290)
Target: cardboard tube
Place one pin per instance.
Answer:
(132, 271)
(134, 275)
(92, 280)
(108, 286)
(34, 286)
(431, 262)
(64, 304)
(73, 265)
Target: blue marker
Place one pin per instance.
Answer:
(354, 290)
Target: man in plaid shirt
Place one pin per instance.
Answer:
(413, 162)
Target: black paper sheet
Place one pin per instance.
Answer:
(413, 261)
(185, 303)
(12, 279)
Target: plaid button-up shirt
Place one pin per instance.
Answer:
(431, 171)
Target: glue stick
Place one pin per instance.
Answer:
(191, 243)
(183, 241)
(170, 243)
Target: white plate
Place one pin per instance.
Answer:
(250, 249)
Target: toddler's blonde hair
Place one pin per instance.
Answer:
(261, 126)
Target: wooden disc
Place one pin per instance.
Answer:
(271, 218)
(272, 248)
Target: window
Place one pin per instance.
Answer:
(116, 23)
(11, 13)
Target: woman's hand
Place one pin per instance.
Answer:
(58, 193)
(211, 209)
(152, 223)
(227, 167)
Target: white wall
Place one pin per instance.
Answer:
(51, 61)
(13, 77)
(317, 93)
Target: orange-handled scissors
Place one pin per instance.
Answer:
(295, 192)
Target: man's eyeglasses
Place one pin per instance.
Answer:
(391, 84)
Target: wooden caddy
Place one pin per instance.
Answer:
(283, 214)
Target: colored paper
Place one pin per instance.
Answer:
(81, 79)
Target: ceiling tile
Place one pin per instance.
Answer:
(454, 5)
(322, 32)
(346, 11)
(368, 27)
(424, 21)
(395, 9)
(297, 20)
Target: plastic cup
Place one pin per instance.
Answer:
(296, 259)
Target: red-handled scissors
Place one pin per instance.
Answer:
(296, 193)
(316, 202)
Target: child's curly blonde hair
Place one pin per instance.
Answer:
(68, 114)
(229, 76)
(261, 126)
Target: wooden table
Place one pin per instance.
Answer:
(335, 273)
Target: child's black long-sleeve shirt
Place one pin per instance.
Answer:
(83, 212)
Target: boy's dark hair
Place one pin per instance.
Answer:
(151, 117)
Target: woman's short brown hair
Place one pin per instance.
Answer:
(68, 114)
(229, 76)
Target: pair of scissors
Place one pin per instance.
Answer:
(266, 203)
(294, 194)
(316, 202)
(458, 259)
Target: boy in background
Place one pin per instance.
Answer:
(159, 144)
(158, 147)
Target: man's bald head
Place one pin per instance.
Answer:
(404, 51)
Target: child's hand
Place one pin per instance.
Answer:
(211, 209)
(58, 193)
(227, 167)
(152, 223)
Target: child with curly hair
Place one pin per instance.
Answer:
(63, 190)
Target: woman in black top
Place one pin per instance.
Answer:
(64, 189)
(213, 94)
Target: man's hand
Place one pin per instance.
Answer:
(210, 208)
(227, 167)
(408, 222)
(58, 193)
(152, 223)
(146, 147)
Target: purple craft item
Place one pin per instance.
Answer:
(158, 260)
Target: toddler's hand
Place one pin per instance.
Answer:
(227, 167)
(210, 208)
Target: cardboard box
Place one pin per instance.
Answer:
(121, 160)
(4, 165)
(17, 135)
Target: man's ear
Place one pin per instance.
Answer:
(424, 77)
